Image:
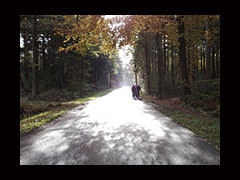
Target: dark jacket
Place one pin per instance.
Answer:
(133, 89)
(138, 88)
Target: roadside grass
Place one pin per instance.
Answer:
(91, 96)
(199, 122)
(55, 109)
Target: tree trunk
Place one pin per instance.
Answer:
(167, 61)
(201, 57)
(196, 62)
(182, 56)
(96, 74)
(160, 63)
(22, 91)
(172, 64)
(147, 66)
(26, 70)
(44, 65)
(217, 62)
(204, 62)
(136, 81)
(35, 59)
(61, 69)
(208, 61)
(164, 58)
(193, 63)
(110, 81)
(208, 54)
(213, 63)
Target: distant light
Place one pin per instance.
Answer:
(110, 16)
(125, 58)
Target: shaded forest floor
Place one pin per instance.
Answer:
(34, 114)
(198, 121)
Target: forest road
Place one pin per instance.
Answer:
(115, 130)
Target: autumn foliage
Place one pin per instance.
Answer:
(171, 53)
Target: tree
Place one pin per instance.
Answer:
(80, 52)
(182, 56)
(25, 55)
(35, 58)
(49, 60)
(85, 31)
(160, 63)
(208, 58)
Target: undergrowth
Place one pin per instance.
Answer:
(197, 120)
(34, 114)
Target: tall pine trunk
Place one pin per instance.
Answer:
(213, 62)
(26, 62)
(147, 66)
(35, 59)
(164, 58)
(204, 61)
(217, 62)
(167, 61)
(208, 54)
(172, 66)
(182, 56)
(208, 61)
(160, 63)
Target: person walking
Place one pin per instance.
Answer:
(138, 89)
(133, 91)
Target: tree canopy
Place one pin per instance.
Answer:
(172, 54)
(72, 51)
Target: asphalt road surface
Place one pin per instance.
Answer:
(115, 130)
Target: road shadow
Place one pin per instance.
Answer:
(128, 144)
(149, 139)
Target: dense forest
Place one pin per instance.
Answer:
(72, 55)
(43, 66)
(176, 55)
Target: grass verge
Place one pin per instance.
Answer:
(39, 119)
(206, 126)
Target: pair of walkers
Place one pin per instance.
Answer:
(136, 91)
